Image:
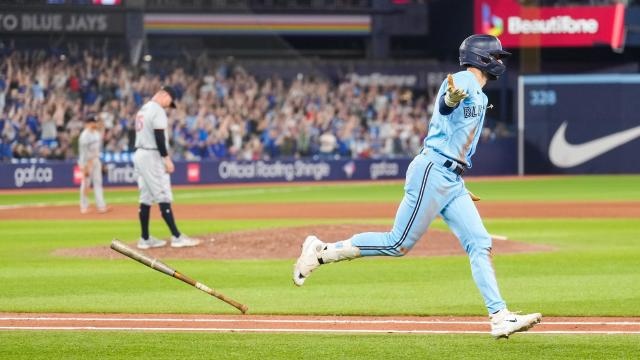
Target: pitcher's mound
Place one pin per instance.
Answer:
(284, 243)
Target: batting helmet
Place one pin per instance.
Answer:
(483, 52)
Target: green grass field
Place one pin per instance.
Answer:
(595, 271)
(113, 345)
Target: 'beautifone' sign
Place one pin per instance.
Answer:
(529, 26)
(554, 25)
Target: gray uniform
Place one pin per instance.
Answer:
(89, 145)
(154, 182)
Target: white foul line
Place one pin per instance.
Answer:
(297, 330)
(308, 321)
(238, 329)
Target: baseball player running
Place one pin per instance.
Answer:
(434, 186)
(89, 145)
(154, 166)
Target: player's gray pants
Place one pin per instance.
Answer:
(431, 189)
(154, 182)
(95, 179)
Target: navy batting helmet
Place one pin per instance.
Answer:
(483, 52)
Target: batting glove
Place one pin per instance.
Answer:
(454, 95)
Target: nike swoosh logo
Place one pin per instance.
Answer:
(565, 155)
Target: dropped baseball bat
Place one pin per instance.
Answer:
(158, 265)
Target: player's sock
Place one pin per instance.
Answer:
(144, 220)
(167, 215)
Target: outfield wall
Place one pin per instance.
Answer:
(495, 158)
(578, 124)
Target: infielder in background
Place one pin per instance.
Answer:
(89, 145)
(154, 166)
(434, 186)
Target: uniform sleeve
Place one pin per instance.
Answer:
(160, 142)
(82, 140)
(159, 119)
(443, 109)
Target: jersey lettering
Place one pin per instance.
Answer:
(139, 122)
(473, 111)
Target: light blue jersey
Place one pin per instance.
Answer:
(456, 135)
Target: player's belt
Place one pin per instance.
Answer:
(455, 167)
(143, 148)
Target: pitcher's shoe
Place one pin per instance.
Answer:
(150, 243)
(505, 323)
(104, 210)
(308, 260)
(183, 241)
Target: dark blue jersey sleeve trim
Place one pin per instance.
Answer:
(443, 108)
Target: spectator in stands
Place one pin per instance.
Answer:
(223, 112)
(328, 145)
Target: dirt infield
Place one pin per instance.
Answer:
(304, 324)
(493, 209)
(284, 243)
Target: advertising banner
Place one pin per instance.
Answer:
(578, 124)
(564, 26)
(496, 158)
(62, 174)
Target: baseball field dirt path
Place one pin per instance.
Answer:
(304, 324)
(284, 243)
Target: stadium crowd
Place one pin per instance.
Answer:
(223, 112)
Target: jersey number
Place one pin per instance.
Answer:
(139, 122)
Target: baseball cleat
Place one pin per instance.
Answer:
(183, 241)
(84, 211)
(150, 243)
(505, 323)
(308, 260)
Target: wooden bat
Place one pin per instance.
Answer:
(158, 265)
